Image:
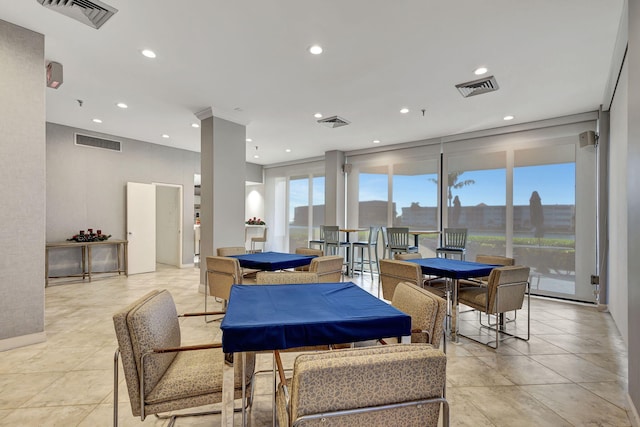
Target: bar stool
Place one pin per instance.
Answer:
(370, 244)
(398, 241)
(319, 241)
(259, 239)
(332, 243)
(454, 242)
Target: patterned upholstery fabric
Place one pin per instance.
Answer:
(366, 377)
(510, 297)
(409, 255)
(285, 277)
(328, 268)
(393, 272)
(427, 312)
(307, 251)
(487, 259)
(222, 272)
(231, 250)
(172, 380)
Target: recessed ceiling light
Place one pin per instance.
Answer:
(164, 135)
(255, 156)
(315, 49)
(509, 117)
(249, 140)
(317, 115)
(288, 150)
(149, 53)
(376, 141)
(122, 105)
(195, 125)
(480, 71)
(404, 110)
(97, 121)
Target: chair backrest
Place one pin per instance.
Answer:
(285, 277)
(328, 268)
(374, 230)
(331, 234)
(148, 323)
(426, 309)
(231, 250)
(398, 237)
(512, 284)
(222, 273)
(393, 272)
(366, 378)
(407, 255)
(307, 251)
(495, 260)
(455, 238)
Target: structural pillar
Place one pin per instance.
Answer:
(334, 189)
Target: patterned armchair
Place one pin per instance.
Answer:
(393, 272)
(427, 313)
(222, 273)
(369, 386)
(504, 292)
(487, 259)
(328, 268)
(307, 251)
(237, 250)
(162, 375)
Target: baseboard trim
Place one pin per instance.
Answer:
(22, 341)
(633, 413)
(187, 265)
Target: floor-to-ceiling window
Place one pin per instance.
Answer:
(298, 211)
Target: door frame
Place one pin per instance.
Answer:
(179, 187)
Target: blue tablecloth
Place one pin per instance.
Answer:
(271, 261)
(277, 317)
(453, 268)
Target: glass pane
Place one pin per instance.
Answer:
(544, 202)
(476, 200)
(373, 197)
(298, 212)
(318, 205)
(415, 201)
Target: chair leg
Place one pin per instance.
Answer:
(115, 387)
(370, 266)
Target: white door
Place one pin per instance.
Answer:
(141, 227)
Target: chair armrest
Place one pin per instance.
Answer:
(204, 313)
(186, 348)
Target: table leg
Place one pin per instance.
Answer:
(415, 241)
(228, 391)
(89, 261)
(46, 267)
(456, 312)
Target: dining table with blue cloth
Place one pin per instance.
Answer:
(277, 317)
(454, 270)
(272, 261)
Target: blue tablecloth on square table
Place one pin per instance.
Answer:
(453, 268)
(272, 261)
(277, 317)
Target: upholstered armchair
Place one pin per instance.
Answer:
(161, 374)
(368, 386)
(505, 291)
(328, 268)
(222, 273)
(486, 259)
(393, 272)
(307, 251)
(237, 250)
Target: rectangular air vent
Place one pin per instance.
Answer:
(334, 122)
(477, 87)
(92, 13)
(92, 141)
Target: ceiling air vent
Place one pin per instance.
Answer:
(93, 13)
(92, 141)
(334, 122)
(477, 87)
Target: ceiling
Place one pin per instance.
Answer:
(248, 61)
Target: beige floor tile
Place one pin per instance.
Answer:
(16, 389)
(102, 416)
(575, 344)
(579, 406)
(523, 370)
(615, 363)
(575, 368)
(59, 416)
(535, 345)
(613, 392)
(75, 388)
(472, 372)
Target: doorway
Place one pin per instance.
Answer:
(169, 224)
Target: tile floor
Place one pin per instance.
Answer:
(572, 372)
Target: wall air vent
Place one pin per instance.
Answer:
(92, 13)
(477, 87)
(92, 141)
(334, 122)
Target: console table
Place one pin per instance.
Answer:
(85, 250)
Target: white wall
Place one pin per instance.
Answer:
(22, 188)
(618, 278)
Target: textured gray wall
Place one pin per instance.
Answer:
(86, 188)
(633, 200)
(22, 178)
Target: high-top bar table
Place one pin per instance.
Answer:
(417, 233)
(277, 317)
